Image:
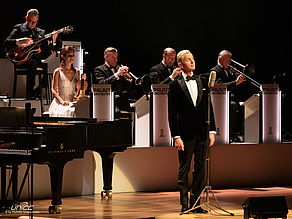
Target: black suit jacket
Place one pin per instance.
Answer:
(185, 119)
(223, 78)
(103, 75)
(22, 30)
(159, 74)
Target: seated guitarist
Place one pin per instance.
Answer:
(23, 35)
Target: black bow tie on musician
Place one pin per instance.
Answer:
(188, 78)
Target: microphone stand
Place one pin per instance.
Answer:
(207, 189)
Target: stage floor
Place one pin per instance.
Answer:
(151, 205)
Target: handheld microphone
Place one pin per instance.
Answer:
(212, 79)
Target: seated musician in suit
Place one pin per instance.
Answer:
(21, 36)
(118, 76)
(224, 75)
(165, 71)
(64, 83)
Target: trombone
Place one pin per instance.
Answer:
(247, 69)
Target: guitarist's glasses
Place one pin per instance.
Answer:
(32, 22)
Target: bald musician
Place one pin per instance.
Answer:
(165, 71)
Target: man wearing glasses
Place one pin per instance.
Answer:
(22, 36)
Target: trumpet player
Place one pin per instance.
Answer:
(118, 76)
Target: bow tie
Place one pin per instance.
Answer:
(190, 78)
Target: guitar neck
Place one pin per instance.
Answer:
(50, 34)
(45, 37)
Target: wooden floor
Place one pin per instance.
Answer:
(151, 205)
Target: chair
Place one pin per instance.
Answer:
(39, 71)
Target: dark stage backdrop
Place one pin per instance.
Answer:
(254, 31)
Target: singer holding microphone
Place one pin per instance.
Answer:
(188, 113)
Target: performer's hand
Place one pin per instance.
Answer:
(123, 71)
(65, 103)
(211, 139)
(54, 36)
(23, 42)
(240, 79)
(178, 143)
(176, 72)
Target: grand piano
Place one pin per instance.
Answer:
(54, 142)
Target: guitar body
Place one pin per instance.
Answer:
(19, 55)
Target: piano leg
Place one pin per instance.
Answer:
(56, 174)
(3, 182)
(14, 176)
(107, 170)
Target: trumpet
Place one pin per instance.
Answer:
(138, 81)
(247, 69)
(129, 76)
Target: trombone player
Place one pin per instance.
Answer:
(118, 76)
(224, 74)
(227, 76)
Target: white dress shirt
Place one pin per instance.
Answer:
(192, 87)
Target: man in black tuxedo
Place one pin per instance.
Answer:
(188, 113)
(23, 35)
(165, 71)
(224, 75)
(118, 76)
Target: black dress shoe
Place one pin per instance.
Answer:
(199, 210)
(183, 209)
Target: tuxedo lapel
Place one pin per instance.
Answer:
(184, 88)
(163, 70)
(200, 90)
(107, 70)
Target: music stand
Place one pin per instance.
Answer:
(207, 189)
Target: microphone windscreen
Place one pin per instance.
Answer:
(212, 79)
